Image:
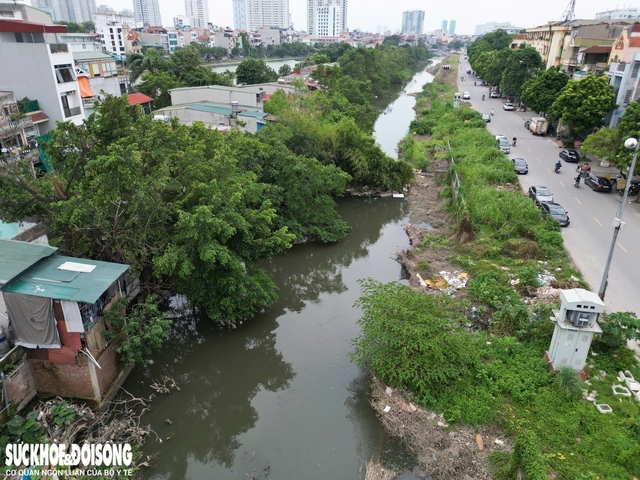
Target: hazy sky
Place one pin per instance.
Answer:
(368, 14)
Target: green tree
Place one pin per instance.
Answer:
(391, 41)
(139, 64)
(521, 65)
(605, 144)
(540, 92)
(629, 126)
(72, 27)
(320, 58)
(252, 71)
(284, 70)
(89, 27)
(157, 86)
(582, 104)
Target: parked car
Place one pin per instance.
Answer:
(520, 165)
(508, 106)
(494, 95)
(466, 96)
(570, 156)
(556, 211)
(486, 117)
(526, 124)
(540, 194)
(598, 184)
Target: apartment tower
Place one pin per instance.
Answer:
(147, 13)
(198, 12)
(326, 17)
(78, 11)
(413, 22)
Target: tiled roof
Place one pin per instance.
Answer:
(138, 98)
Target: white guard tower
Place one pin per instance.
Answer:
(576, 324)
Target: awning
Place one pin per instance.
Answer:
(597, 49)
(85, 88)
(38, 117)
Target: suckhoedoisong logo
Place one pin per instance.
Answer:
(36, 454)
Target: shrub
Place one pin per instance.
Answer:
(568, 381)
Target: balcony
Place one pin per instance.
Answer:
(72, 112)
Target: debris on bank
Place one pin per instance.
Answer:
(375, 471)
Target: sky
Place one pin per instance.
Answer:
(367, 15)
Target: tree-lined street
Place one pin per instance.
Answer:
(589, 236)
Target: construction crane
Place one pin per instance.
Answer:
(570, 12)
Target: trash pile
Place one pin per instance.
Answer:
(447, 282)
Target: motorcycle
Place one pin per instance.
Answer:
(576, 181)
(557, 169)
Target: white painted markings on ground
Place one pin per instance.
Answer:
(547, 169)
(540, 161)
(597, 221)
(563, 184)
(578, 201)
(625, 250)
(529, 149)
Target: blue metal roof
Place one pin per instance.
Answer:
(203, 107)
(252, 114)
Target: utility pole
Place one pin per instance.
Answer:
(618, 224)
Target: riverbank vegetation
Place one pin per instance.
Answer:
(477, 356)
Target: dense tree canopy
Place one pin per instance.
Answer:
(540, 92)
(521, 65)
(582, 104)
(191, 209)
(252, 71)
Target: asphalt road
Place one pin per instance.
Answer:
(589, 236)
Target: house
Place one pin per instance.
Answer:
(17, 131)
(97, 77)
(623, 70)
(141, 99)
(55, 305)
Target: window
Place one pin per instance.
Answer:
(64, 73)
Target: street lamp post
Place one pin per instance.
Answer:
(618, 224)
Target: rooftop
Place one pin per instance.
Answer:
(139, 98)
(30, 27)
(19, 256)
(66, 278)
(84, 56)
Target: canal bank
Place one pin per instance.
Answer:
(279, 396)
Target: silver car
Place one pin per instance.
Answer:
(540, 194)
(504, 145)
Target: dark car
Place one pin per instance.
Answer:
(571, 156)
(520, 165)
(556, 211)
(598, 184)
(486, 117)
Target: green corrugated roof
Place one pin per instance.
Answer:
(83, 56)
(201, 107)
(259, 115)
(16, 257)
(46, 280)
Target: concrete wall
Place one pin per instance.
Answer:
(20, 386)
(211, 120)
(181, 96)
(28, 71)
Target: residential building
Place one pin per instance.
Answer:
(413, 22)
(240, 19)
(26, 13)
(452, 27)
(198, 11)
(131, 40)
(326, 17)
(624, 70)
(269, 35)
(174, 40)
(267, 13)
(37, 65)
(217, 107)
(82, 42)
(619, 14)
(78, 11)
(145, 101)
(226, 38)
(147, 13)
(110, 27)
(56, 305)
(182, 22)
(97, 77)
(444, 26)
(494, 26)
(18, 133)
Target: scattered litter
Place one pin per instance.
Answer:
(505, 268)
(559, 269)
(574, 278)
(604, 408)
(545, 278)
(480, 442)
(387, 409)
(412, 407)
(497, 441)
(514, 282)
(389, 391)
(456, 279)
(398, 195)
(442, 424)
(488, 343)
(620, 390)
(422, 282)
(424, 226)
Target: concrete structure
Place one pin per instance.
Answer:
(17, 133)
(269, 35)
(198, 12)
(97, 77)
(36, 64)
(218, 107)
(619, 14)
(182, 22)
(26, 13)
(444, 26)
(575, 325)
(413, 22)
(452, 27)
(226, 38)
(240, 21)
(623, 70)
(326, 17)
(78, 11)
(82, 42)
(147, 13)
(111, 28)
(493, 26)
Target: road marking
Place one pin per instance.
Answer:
(547, 169)
(529, 149)
(597, 221)
(625, 250)
(563, 184)
(578, 201)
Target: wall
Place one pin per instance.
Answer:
(181, 96)
(20, 386)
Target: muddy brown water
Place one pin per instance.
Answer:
(279, 397)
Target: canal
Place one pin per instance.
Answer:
(278, 396)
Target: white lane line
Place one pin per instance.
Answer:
(547, 169)
(563, 184)
(625, 250)
(597, 221)
(578, 201)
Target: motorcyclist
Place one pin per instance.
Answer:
(482, 97)
(558, 166)
(492, 112)
(514, 141)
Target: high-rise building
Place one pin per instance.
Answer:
(198, 11)
(444, 25)
(253, 14)
(240, 14)
(452, 27)
(70, 10)
(147, 13)
(326, 17)
(413, 22)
